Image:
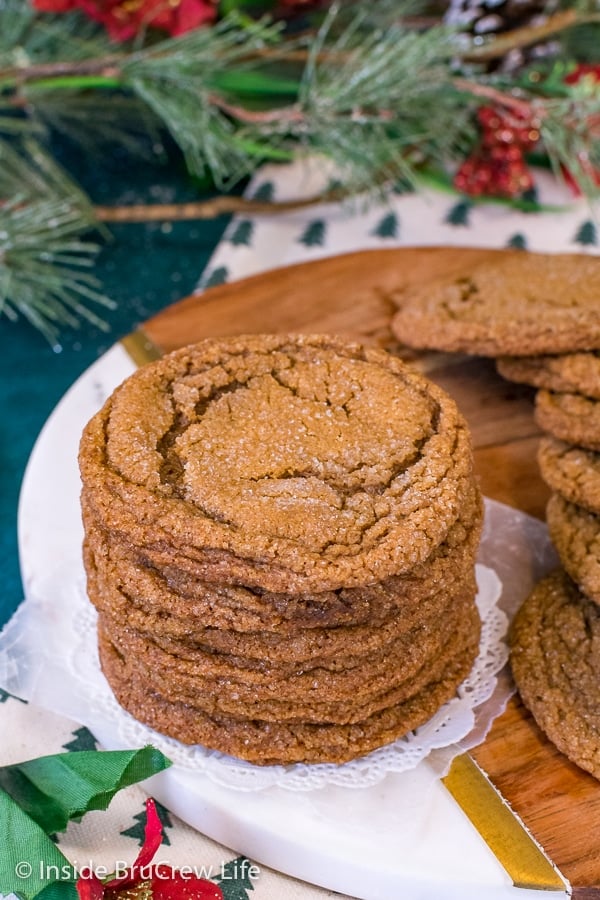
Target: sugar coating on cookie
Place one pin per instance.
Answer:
(570, 417)
(555, 661)
(575, 533)
(277, 457)
(270, 743)
(123, 581)
(577, 373)
(519, 304)
(571, 471)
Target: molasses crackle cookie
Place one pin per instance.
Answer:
(513, 303)
(539, 316)
(280, 537)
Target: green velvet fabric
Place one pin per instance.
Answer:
(143, 268)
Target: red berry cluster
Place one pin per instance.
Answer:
(498, 168)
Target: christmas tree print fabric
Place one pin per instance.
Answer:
(551, 219)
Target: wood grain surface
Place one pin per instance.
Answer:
(355, 295)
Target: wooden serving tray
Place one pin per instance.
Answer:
(352, 295)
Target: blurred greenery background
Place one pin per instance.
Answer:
(142, 267)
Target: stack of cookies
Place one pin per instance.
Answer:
(280, 537)
(556, 635)
(539, 316)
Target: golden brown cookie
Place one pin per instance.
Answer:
(521, 304)
(169, 601)
(556, 665)
(576, 373)
(571, 471)
(570, 417)
(280, 462)
(575, 533)
(354, 687)
(396, 614)
(269, 743)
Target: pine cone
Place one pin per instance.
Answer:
(485, 18)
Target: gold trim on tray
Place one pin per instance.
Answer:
(140, 348)
(503, 832)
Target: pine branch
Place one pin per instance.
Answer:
(210, 209)
(40, 260)
(28, 38)
(570, 131)
(387, 106)
(377, 89)
(364, 77)
(44, 259)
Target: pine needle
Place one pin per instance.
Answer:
(44, 258)
(565, 131)
(376, 96)
(177, 81)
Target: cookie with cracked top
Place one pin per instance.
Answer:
(280, 462)
(556, 666)
(572, 418)
(576, 373)
(571, 471)
(280, 540)
(517, 304)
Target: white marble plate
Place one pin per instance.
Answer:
(403, 836)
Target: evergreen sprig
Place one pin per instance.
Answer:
(375, 91)
(45, 261)
(369, 87)
(180, 80)
(565, 131)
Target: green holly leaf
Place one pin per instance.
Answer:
(52, 790)
(30, 862)
(59, 890)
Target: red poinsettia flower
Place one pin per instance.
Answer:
(161, 882)
(55, 6)
(591, 72)
(124, 19)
